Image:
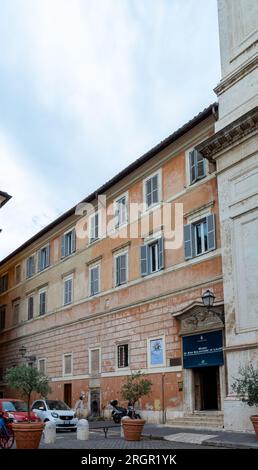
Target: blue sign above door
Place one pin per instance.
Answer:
(203, 350)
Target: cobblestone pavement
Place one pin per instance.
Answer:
(113, 441)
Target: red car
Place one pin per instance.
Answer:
(16, 410)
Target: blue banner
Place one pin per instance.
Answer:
(203, 350)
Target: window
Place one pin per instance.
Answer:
(16, 313)
(197, 166)
(152, 257)
(17, 274)
(94, 361)
(122, 356)
(121, 210)
(94, 227)
(30, 266)
(42, 302)
(68, 290)
(30, 307)
(2, 317)
(200, 237)
(3, 283)
(68, 364)
(68, 243)
(152, 190)
(42, 366)
(94, 279)
(156, 353)
(43, 258)
(121, 263)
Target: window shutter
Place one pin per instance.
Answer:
(211, 229)
(161, 252)
(33, 268)
(96, 280)
(200, 169)
(118, 271)
(144, 260)
(39, 261)
(96, 226)
(123, 263)
(73, 240)
(192, 166)
(63, 246)
(47, 256)
(188, 241)
(28, 268)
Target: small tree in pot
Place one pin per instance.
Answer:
(246, 387)
(27, 380)
(135, 387)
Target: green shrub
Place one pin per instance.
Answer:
(246, 385)
(27, 380)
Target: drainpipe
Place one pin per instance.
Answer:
(163, 399)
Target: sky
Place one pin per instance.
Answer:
(88, 86)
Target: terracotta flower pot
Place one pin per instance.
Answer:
(254, 420)
(133, 429)
(27, 435)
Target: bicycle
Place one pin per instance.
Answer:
(6, 433)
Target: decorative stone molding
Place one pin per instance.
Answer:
(234, 132)
(239, 74)
(196, 318)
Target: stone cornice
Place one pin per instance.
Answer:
(239, 74)
(232, 133)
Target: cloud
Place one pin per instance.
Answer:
(87, 86)
(30, 208)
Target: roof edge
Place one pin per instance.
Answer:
(211, 110)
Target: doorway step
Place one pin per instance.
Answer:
(212, 420)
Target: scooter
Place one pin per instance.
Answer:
(119, 412)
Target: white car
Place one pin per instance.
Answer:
(56, 411)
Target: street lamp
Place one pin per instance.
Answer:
(208, 300)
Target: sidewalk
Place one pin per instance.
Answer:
(226, 439)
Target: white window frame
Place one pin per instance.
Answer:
(15, 277)
(65, 279)
(124, 195)
(156, 204)
(154, 366)
(43, 359)
(64, 356)
(90, 351)
(116, 255)
(122, 343)
(41, 292)
(91, 267)
(91, 217)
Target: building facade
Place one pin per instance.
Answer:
(88, 308)
(234, 148)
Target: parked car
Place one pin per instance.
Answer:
(56, 411)
(17, 410)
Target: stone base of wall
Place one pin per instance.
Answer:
(237, 415)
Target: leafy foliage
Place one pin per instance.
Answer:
(246, 385)
(135, 387)
(27, 380)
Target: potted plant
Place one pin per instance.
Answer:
(246, 386)
(27, 380)
(135, 387)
